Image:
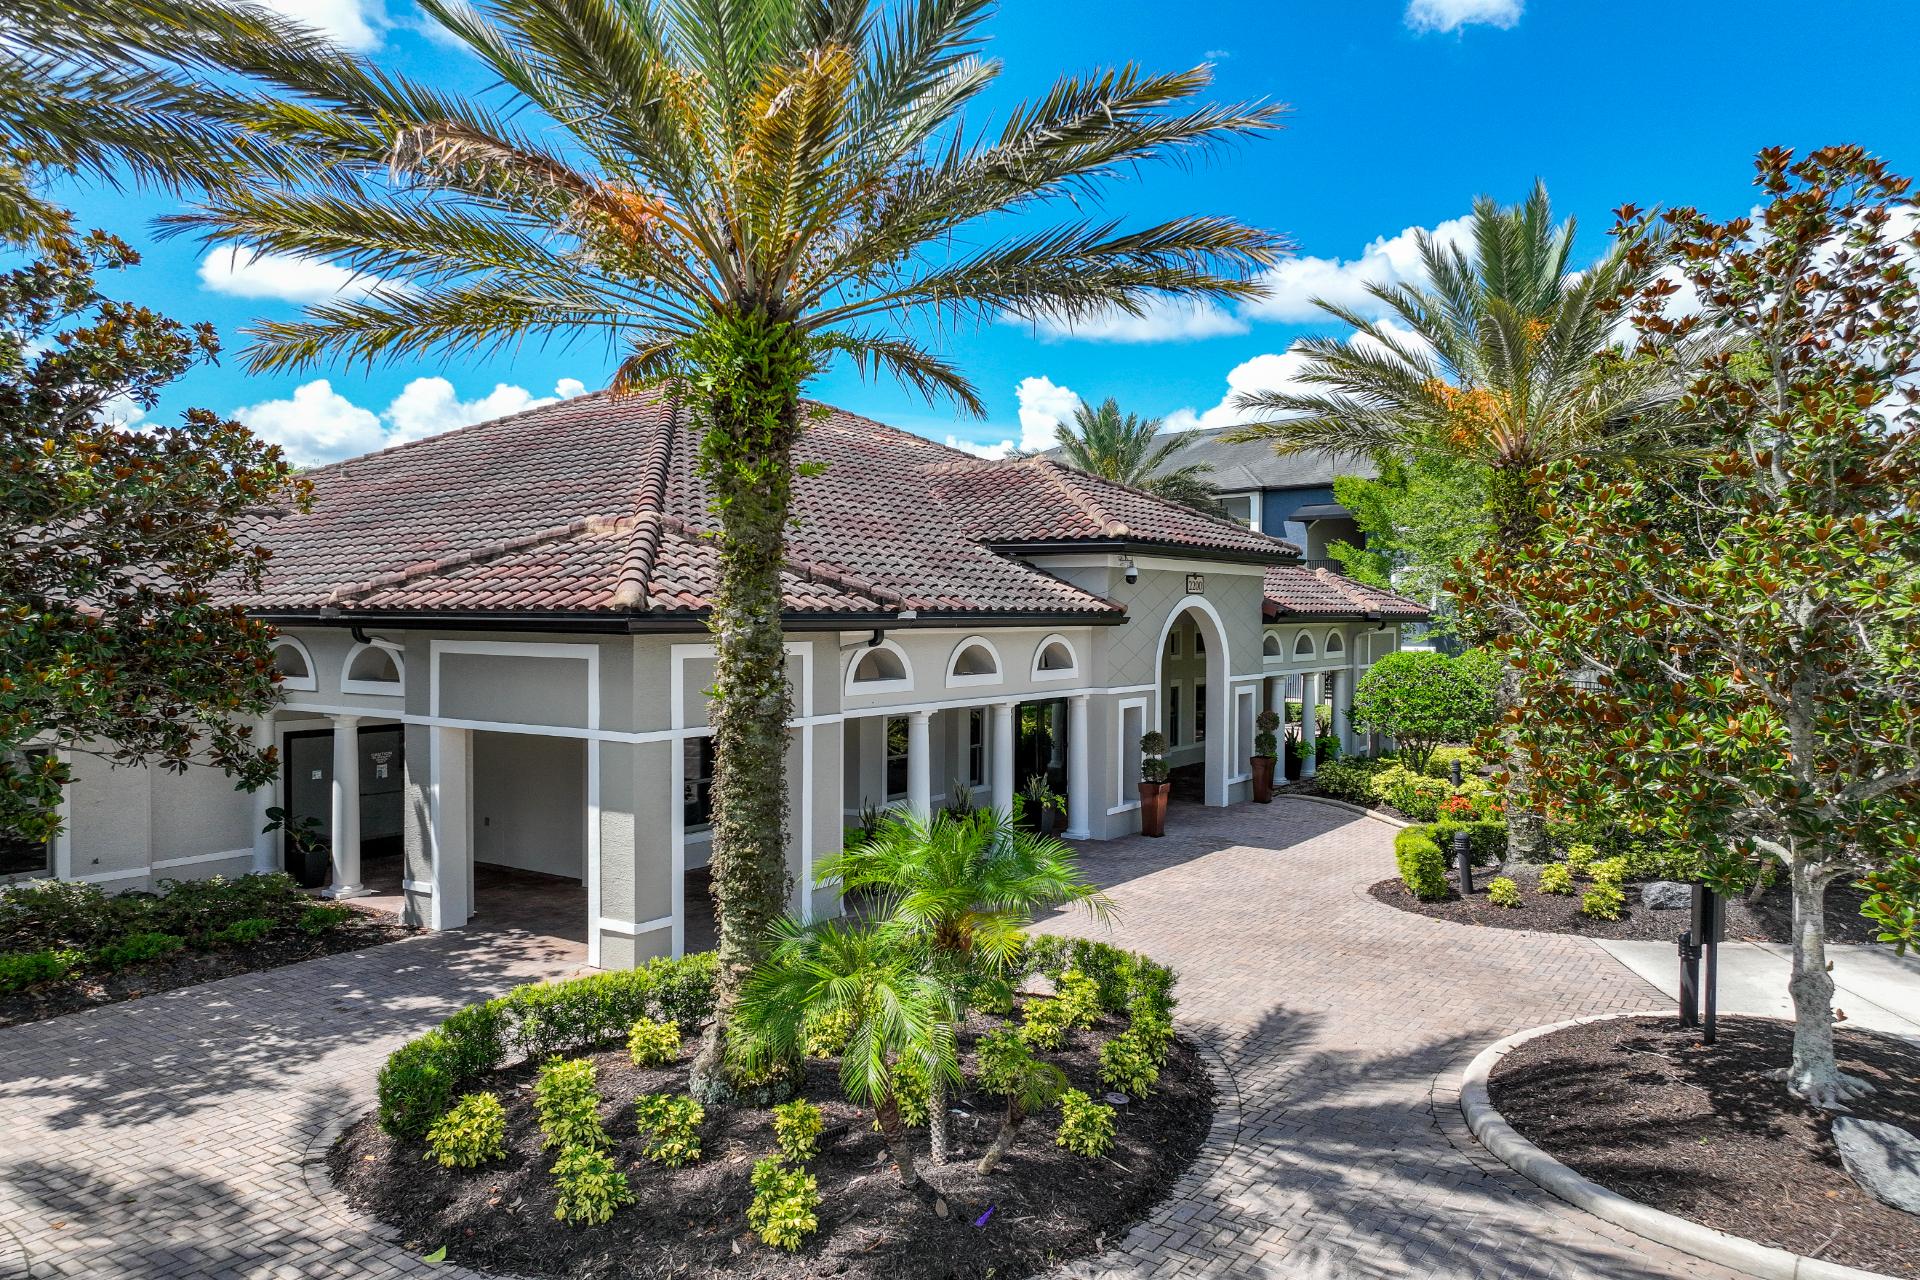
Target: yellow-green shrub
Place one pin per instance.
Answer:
(1128, 1065)
(566, 1102)
(1086, 1126)
(590, 1186)
(1556, 877)
(796, 1127)
(785, 1204)
(670, 1125)
(473, 1132)
(1423, 867)
(1603, 901)
(653, 1044)
(1503, 892)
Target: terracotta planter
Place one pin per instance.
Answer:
(1262, 779)
(1153, 808)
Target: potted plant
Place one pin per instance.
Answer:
(1153, 783)
(1043, 804)
(308, 859)
(1297, 753)
(1265, 746)
(959, 799)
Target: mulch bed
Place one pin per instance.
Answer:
(1041, 1206)
(1771, 920)
(190, 968)
(1641, 1107)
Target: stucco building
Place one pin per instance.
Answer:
(494, 653)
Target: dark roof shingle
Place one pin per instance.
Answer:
(1296, 591)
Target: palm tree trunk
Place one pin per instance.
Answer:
(744, 394)
(1814, 1075)
(1512, 501)
(887, 1113)
(939, 1120)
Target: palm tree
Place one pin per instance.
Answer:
(734, 192)
(813, 974)
(1130, 450)
(1503, 359)
(963, 890)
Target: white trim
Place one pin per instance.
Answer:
(417, 886)
(1225, 683)
(198, 858)
(898, 684)
(1272, 638)
(628, 929)
(1055, 673)
(999, 668)
(106, 876)
(298, 684)
(376, 688)
(593, 846)
(1120, 709)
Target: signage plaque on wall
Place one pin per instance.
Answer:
(1196, 584)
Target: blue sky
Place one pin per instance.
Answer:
(1401, 114)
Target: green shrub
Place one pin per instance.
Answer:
(1413, 794)
(590, 1186)
(319, 920)
(1603, 901)
(1611, 871)
(1556, 877)
(566, 1101)
(653, 1044)
(670, 1123)
(241, 932)
(911, 1087)
(1487, 840)
(1129, 1065)
(796, 1127)
(1440, 763)
(1044, 1023)
(1004, 1057)
(1086, 1126)
(197, 909)
(43, 914)
(473, 1131)
(22, 969)
(1425, 699)
(1150, 986)
(1079, 997)
(1503, 892)
(139, 948)
(827, 1035)
(1423, 867)
(1580, 857)
(1350, 779)
(1153, 1029)
(785, 1204)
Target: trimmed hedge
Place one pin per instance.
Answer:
(422, 1078)
(1423, 867)
(1488, 839)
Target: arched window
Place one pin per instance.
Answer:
(375, 668)
(1335, 644)
(1270, 647)
(1055, 660)
(880, 668)
(1303, 647)
(975, 661)
(295, 665)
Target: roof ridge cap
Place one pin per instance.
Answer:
(1056, 472)
(650, 520)
(473, 555)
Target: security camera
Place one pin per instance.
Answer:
(1133, 572)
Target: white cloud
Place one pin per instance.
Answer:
(1272, 372)
(316, 424)
(353, 24)
(240, 274)
(1292, 285)
(1162, 320)
(1044, 404)
(1451, 15)
(992, 451)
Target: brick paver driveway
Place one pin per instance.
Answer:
(165, 1138)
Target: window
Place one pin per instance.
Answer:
(296, 670)
(1334, 643)
(1270, 647)
(20, 856)
(1199, 712)
(896, 757)
(372, 668)
(977, 747)
(1303, 647)
(1199, 644)
(696, 783)
(877, 665)
(1173, 643)
(1173, 716)
(1055, 660)
(1239, 507)
(975, 662)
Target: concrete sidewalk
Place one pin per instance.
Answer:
(1875, 988)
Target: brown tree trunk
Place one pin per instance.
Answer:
(939, 1120)
(887, 1113)
(1814, 1076)
(1003, 1140)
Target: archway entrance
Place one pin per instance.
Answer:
(1193, 698)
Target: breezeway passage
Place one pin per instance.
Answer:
(163, 1139)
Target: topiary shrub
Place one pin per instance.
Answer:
(1086, 1126)
(22, 969)
(653, 1044)
(1556, 877)
(1423, 867)
(670, 1124)
(1604, 901)
(1424, 700)
(1503, 892)
(472, 1132)
(1129, 1065)
(590, 1186)
(566, 1101)
(797, 1126)
(138, 948)
(786, 1203)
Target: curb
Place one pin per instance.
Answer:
(1375, 814)
(1530, 1162)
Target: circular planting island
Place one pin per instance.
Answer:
(1636, 1120)
(1043, 1204)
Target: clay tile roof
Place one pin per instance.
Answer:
(595, 506)
(1297, 591)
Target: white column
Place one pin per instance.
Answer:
(450, 807)
(346, 809)
(919, 764)
(1339, 684)
(1309, 719)
(1002, 753)
(1079, 787)
(266, 844)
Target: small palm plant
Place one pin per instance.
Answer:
(1130, 450)
(816, 974)
(962, 892)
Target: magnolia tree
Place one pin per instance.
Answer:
(1423, 700)
(1729, 650)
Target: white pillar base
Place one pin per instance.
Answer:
(348, 891)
